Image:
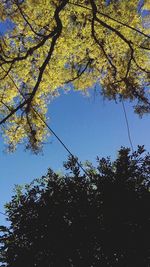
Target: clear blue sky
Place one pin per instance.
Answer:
(89, 127)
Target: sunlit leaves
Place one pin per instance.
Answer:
(56, 44)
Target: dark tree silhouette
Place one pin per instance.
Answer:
(79, 221)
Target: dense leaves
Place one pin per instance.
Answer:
(99, 220)
(62, 44)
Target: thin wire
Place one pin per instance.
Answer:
(65, 147)
(52, 131)
(127, 124)
(62, 143)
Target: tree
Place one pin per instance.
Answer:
(99, 219)
(62, 44)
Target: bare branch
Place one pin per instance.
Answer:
(116, 20)
(14, 111)
(6, 72)
(29, 24)
(79, 73)
(101, 45)
(55, 35)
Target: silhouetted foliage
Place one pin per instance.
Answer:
(79, 221)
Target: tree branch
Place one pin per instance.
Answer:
(109, 17)
(55, 34)
(79, 73)
(24, 17)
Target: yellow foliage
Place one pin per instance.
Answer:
(55, 44)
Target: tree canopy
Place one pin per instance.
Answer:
(69, 44)
(99, 219)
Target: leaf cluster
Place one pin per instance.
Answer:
(74, 220)
(68, 44)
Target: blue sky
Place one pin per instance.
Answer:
(89, 127)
